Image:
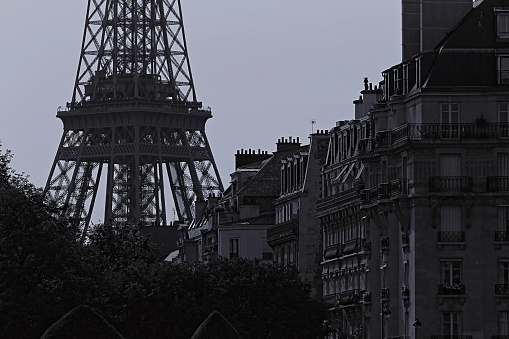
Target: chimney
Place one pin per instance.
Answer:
(426, 22)
(247, 157)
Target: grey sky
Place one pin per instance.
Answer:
(266, 67)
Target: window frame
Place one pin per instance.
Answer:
(502, 15)
(447, 270)
(234, 247)
(453, 325)
(450, 126)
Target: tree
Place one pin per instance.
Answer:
(46, 271)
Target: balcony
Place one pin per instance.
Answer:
(398, 186)
(503, 77)
(366, 146)
(350, 297)
(369, 196)
(502, 289)
(332, 251)
(384, 191)
(497, 184)
(500, 336)
(451, 289)
(350, 246)
(450, 184)
(501, 236)
(451, 237)
(282, 230)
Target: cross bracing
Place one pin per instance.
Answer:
(133, 121)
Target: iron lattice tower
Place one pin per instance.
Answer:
(133, 119)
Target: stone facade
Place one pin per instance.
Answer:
(415, 200)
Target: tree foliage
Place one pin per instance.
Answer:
(46, 270)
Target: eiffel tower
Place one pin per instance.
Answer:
(134, 119)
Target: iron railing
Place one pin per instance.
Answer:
(502, 289)
(451, 336)
(503, 77)
(451, 236)
(451, 289)
(499, 336)
(423, 131)
(501, 236)
(450, 184)
(497, 184)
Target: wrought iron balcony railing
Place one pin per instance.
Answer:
(451, 336)
(503, 77)
(502, 289)
(451, 236)
(501, 236)
(450, 184)
(500, 336)
(497, 184)
(451, 289)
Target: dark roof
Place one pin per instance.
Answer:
(216, 327)
(81, 323)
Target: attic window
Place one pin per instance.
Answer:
(502, 23)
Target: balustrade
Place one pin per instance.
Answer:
(451, 289)
(497, 184)
(502, 289)
(450, 184)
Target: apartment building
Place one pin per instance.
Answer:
(415, 189)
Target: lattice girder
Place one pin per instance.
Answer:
(134, 120)
(134, 49)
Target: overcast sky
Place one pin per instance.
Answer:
(266, 67)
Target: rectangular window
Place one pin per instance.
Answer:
(450, 219)
(450, 120)
(234, 248)
(451, 271)
(451, 323)
(503, 323)
(503, 25)
(450, 165)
